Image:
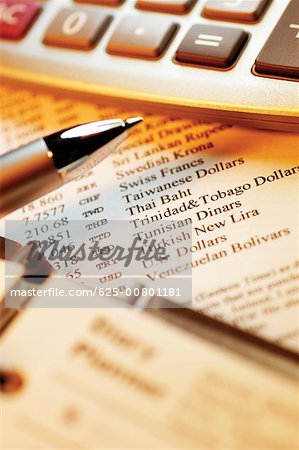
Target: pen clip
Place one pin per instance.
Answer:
(36, 266)
(36, 269)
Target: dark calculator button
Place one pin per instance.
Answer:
(280, 54)
(141, 37)
(240, 10)
(16, 17)
(76, 28)
(102, 2)
(211, 46)
(166, 6)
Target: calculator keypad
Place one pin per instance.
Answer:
(16, 17)
(212, 46)
(177, 33)
(141, 37)
(239, 10)
(76, 28)
(166, 6)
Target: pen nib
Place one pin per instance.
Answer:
(130, 123)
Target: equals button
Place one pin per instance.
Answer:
(211, 46)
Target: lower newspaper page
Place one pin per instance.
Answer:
(121, 378)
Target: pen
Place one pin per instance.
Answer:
(41, 166)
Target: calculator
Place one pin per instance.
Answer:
(228, 60)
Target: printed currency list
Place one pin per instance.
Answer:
(241, 196)
(223, 197)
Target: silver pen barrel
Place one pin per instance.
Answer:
(26, 174)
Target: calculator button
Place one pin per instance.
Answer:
(280, 54)
(240, 10)
(16, 17)
(102, 2)
(141, 37)
(76, 28)
(211, 46)
(167, 6)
